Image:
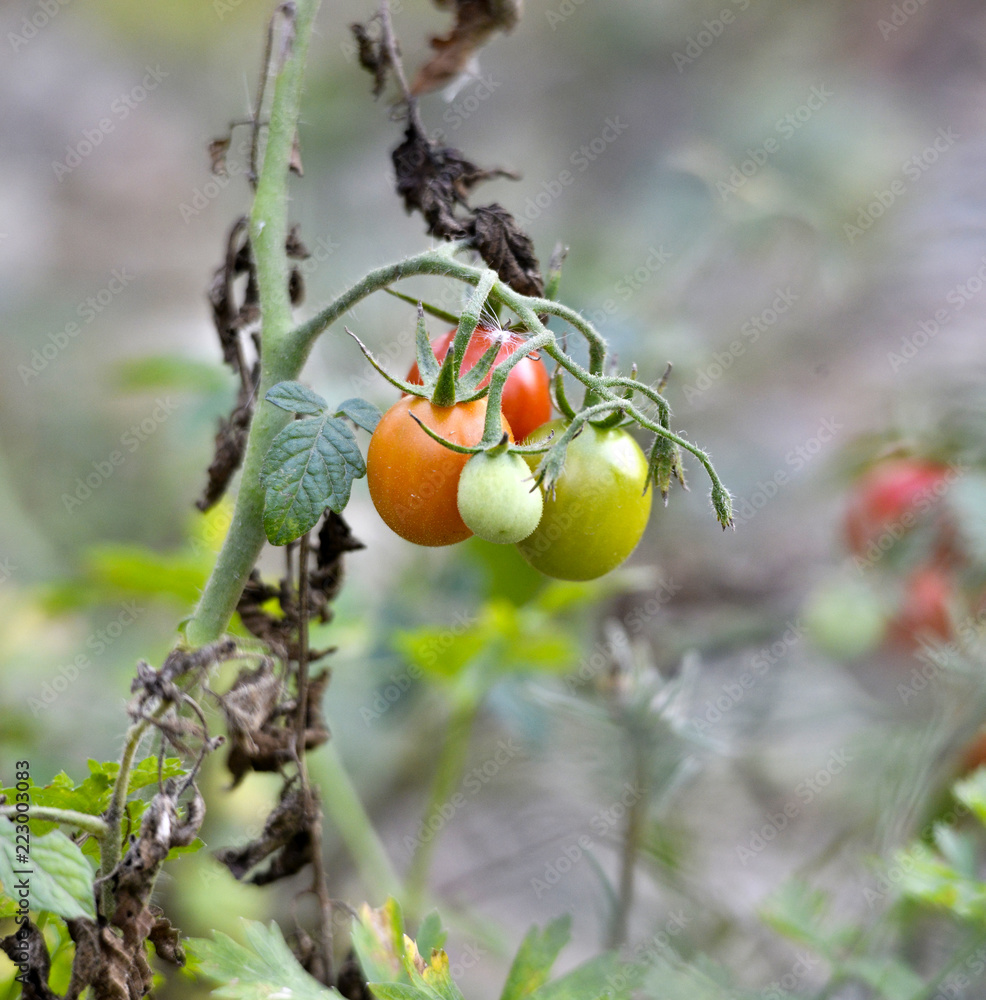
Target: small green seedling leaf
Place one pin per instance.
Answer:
(265, 969)
(58, 878)
(297, 398)
(311, 465)
(431, 934)
(535, 957)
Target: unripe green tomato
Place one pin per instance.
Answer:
(496, 499)
(845, 619)
(599, 508)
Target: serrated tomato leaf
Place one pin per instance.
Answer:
(262, 969)
(297, 398)
(52, 869)
(311, 465)
(362, 413)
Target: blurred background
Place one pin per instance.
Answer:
(784, 201)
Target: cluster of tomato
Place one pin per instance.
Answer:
(431, 495)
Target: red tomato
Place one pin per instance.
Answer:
(413, 479)
(526, 401)
(889, 499)
(974, 755)
(925, 613)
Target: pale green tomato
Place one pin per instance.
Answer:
(496, 500)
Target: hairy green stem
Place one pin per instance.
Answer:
(278, 362)
(112, 842)
(94, 825)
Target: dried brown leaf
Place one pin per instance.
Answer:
(476, 21)
(27, 948)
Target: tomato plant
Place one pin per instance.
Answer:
(496, 498)
(598, 510)
(526, 401)
(889, 499)
(413, 479)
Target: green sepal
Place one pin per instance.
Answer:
(665, 463)
(428, 365)
(469, 383)
(553, 279)
(462, 449)
(442, 314)
(409, 388)
(722, 504)
(443, 391)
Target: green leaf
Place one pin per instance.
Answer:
(535, 957)
(378, 938)
(798, 912)
(171, 371)
(114, 571)
(936, 884)
(362, 413)
(297, 398)
(264, 969)
(400, 991)
(603, 976)
(311, 465)
(431, 935)
(503, 640)
(972, 793)
(58, 876)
